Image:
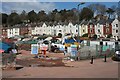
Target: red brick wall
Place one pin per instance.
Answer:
(105, 28)
(89, 30)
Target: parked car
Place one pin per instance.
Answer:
(116, 56)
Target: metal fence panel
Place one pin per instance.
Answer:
(96, 51)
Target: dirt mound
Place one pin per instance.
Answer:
(46, 62)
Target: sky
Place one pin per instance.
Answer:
(36, 5)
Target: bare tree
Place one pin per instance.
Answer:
(99, 8)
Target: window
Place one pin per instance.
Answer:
(91, 31)
(59, 30)
(76, 30)
(98, 25)
(98, 30)
(90, 26)
(116, 25)
(107, 25)
(83, 30)
(107, 30)
(116, 31)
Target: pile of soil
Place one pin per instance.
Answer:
(38, 62)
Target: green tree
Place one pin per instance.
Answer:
(86, 14)
(54, 15)
(42, 16)
(23, 16)
(4, 18)
(32, 16)
(63, 15)
(57, 17)
(70, 15)
(13, 19)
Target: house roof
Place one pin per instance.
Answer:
(61, 23)
(66, 23)
(55, 23)
(101, 22)
(109, 20)
(105, 21)
(85, 22)
(119, 18)
(93, 21)
(51, 23)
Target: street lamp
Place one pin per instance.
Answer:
(78, 16)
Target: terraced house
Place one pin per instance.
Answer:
(84, 28)
(54, 28)
(101, 28)
(115, 28)
(91, 29)
(11, 32)
(107, 27)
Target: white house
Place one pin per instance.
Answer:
(99, 30)
(44, 28)
(35, 30)
(40, 29)
(115, 28)
(119, 29)
(49, 29)
(58, 29)
(72, 29)
(84, 29)
(11, 32)
(63, 29)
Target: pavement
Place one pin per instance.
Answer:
(75, 69)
